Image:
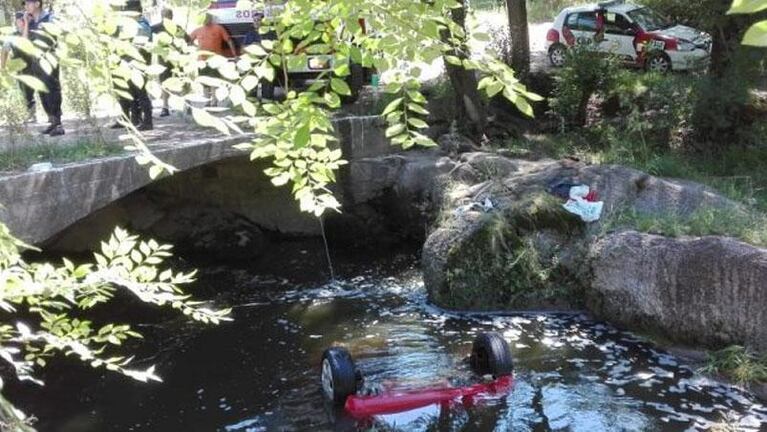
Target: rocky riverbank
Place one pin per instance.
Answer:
(496, 239)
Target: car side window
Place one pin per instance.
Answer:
(587, 21)
(572, 21)
(618, 24)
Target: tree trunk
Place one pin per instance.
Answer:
(520, 38)
(472, 112)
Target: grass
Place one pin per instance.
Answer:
(747, 226)
(739, 364)
(20, 159)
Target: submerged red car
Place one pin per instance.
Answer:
(342, 381)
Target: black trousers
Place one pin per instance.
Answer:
(138, 110)
(52, 99)
(29, 95)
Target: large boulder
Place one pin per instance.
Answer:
(502, 242)
(709, 291)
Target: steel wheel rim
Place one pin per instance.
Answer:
(658, 64)
(558, 56)
(327, 379)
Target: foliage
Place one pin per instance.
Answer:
(757, 33)
(739, 363)
(294, 132)
(13, 114)
(732, 222)
(52, 299)
(585, 73)
(656, 108)
(24, 157)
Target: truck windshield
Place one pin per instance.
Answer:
(648, 19)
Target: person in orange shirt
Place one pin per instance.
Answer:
(211, 37)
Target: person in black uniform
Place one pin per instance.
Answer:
(139, 108)
(34, 19)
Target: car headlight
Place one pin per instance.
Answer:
(685, 46)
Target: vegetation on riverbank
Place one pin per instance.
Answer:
(23, 158)
(739, 364)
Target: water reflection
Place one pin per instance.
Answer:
(260, 372)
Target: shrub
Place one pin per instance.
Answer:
(657, 107)
(585, 73)
(13, 115)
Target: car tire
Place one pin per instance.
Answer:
(557, 55)
(490, 354)
(657, 62)
(338, 375)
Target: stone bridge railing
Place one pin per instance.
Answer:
(38, 205)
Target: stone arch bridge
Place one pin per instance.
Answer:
(37, 206)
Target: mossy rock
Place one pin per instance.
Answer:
(506, 263)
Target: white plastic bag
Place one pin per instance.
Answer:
(588, 211)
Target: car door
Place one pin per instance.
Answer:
(583, 26)
(619, 36)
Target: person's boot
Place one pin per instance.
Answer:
(57, 130)
(145, 126)
(50, 128)
(165, 112)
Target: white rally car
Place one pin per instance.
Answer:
(635, 33)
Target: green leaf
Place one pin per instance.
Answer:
(170, 26)
(395, 130)
(524, 106)
(281, 179)
(756, 35)
(418, 109)
(339, 86)
(747, 6)
(249, 82)
(33, 83)
(417, 123)
(392, 106)
(204, 118)
(453, 60)
(302, 137)
(494, 88)
(155, 171)
(237, 95)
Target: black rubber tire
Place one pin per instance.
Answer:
(661, 58)
(490, 354)
(557, 55)
(355, 80)
(338, 369)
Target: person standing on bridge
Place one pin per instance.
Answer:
(34, 20)
(167, 14)
(211, 38)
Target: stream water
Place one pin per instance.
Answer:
(260, 372)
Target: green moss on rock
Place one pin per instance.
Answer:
(507, 262)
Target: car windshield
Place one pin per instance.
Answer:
(648, 19)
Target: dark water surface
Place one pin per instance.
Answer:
(260, 372)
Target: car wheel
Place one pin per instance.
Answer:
(557, 55)
(338, 376)
(657, 62)
(490, 354)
